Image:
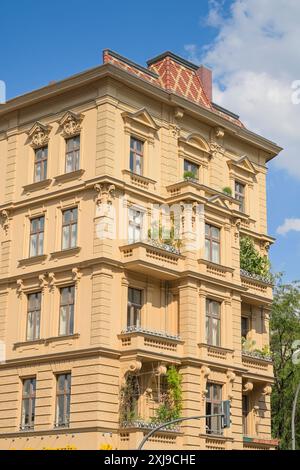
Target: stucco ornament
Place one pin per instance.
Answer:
(4, 214)
(160, 370)
(105, 193)
(42, 281)
(248, 387)
(267, 390)
(231, 378)
(70, 124)
(52, 281)
(20, 287)
(134, 366)
(39, 135)
(76, 275)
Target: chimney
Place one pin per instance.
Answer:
(205, 76)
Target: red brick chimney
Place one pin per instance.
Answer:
(205, 76)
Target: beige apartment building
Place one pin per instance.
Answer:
(95, 302)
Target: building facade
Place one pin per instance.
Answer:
(101, 292)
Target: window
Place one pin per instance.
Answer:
(212, 243)
(136, 156)
(240, 195)
(72, 154)
(63, 400)
(40, 164)
(33, 316)
(245, 326)
(213, 406)
(191, 168)
(134, 307)
(28, 403)
(245, 412)
(135, 225)
(66, 311)
(213, 322)
(36, 246)
(69, 228)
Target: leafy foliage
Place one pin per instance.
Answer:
(227, 190)
(285, 329)
(189, 174)
(251, 260)
(171, 405)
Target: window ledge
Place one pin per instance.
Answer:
(28, 188)
(219, 437)
(216, 348)
(52, 339)
(32, 260)
(67, 252)
(211, 264)
(135, 330)
(72, 175)
(45, 341)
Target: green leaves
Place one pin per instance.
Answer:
(171, 405)
(251, 260)
(284, 330)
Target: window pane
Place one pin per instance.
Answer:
(74, 235)
(60, 409)
(138, 165)
(66, 237)
(63, 321)
(215, 232)
(61, 382)
(38, 172)
(41, 243)
(207, 249)
(25, 412)
(215, 332)
(71, 320)
(215, 252)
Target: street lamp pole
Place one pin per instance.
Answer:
(174, 421)
(293, 418)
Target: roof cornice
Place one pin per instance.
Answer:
(110, 70)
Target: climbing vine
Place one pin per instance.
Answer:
(171, 401)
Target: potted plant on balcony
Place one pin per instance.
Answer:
(227, 190)
(189, 175)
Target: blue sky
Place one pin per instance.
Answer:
(253, 56)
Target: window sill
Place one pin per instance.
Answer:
(32, 260)
(66, 253)
(72, 175)
(33, 342)
(62, 426)
(52, 339)
(213, 265)
(28, 188)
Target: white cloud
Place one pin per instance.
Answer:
(255, 59)
(288, 226)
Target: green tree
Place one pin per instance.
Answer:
(284, 330)
(171, 405)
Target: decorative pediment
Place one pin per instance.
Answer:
(195, 141)
(243, 164)
(141, 117)
(70, 124)
(39, 135)
(219, 201)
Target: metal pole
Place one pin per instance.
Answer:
(293, 418)
(174, 421)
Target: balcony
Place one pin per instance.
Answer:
(137, 338)
(215, 353)
(141, 182)
(256, 285)
(215, 270)
(256, 362)
(152, 258)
